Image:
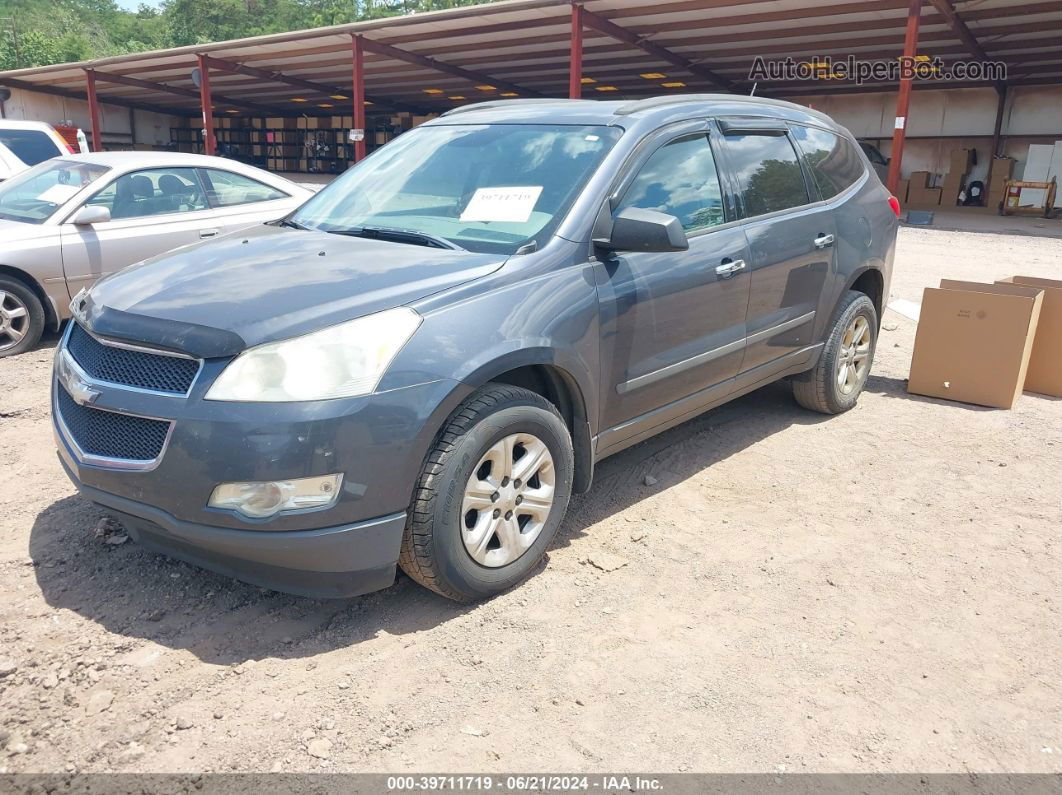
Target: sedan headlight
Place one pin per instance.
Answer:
(341, 361)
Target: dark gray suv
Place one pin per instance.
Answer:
(420, 366)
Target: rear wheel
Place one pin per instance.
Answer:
(834, 385)
(21, 317)
(491, 497)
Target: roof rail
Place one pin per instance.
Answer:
(678, 99)
(494, 103)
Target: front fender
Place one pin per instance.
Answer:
(550, 319)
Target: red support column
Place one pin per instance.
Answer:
(903, 101)
(210, 145)
(358, 58)
(575, 78)
(94, 111)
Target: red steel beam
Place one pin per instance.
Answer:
(575, 71)
(622, 34)
(94, 110)
(136, 82)
(296, 82)
(903, 101)
(358, 63)
(387, 51)
(207, 104)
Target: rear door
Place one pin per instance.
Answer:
(152, 211)
(240, 201)
(673, 323)
(791, 239)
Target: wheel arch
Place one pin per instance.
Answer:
(870, 281)
(51, 312)
(565, 384)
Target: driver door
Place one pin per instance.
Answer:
(673, 323)
(152, 211)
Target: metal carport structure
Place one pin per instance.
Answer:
(527, 48)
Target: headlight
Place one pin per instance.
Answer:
(341, 361)
(261, 499)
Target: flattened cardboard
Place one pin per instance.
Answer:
(974, 342)
(1045, 364)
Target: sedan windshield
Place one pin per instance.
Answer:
(34, 195)
(485, 188)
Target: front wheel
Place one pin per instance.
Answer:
(491, 497)
(834, 384)
(21, 317)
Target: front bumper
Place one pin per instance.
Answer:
(333, 562)
(378, 442)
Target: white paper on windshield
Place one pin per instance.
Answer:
(59, 193)
(502, 204)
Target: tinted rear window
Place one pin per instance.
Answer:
(29, 146)
(768, 172)
(833, 161)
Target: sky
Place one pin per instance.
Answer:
(133, 5)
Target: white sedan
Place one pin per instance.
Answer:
(73, 219)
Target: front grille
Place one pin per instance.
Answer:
(105, 433)
(131, 368)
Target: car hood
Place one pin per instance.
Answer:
(256, 286)
(20, 231)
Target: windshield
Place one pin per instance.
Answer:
(485, 188)
(34, 195)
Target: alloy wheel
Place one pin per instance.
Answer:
(507, 500)
(853, 360)
(14, 320)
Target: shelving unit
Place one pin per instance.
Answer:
(291, 144)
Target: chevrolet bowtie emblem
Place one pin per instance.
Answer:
(74, 384)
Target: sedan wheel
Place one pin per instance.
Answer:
(14, 320)
(21, 317)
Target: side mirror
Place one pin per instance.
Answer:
(91, 214)
(635, 229)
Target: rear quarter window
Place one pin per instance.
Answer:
(30, 146)
(833, 161)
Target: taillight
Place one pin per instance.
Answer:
(894, 203)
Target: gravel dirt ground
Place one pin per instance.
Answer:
(760, 589)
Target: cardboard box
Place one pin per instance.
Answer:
(961, 160)
(1045, 364)
(925, 197)
(974, 342)
(919, 180)
(901, 190)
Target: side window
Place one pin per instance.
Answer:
(833, 161)
(155, 191)
(227, 189)
(680, 179)
(767, 171)
(30, 146)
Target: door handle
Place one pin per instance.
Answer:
(823, 241)
(730, 267)
(208, 232)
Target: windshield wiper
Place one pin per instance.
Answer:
(292, 224)
(411, 236)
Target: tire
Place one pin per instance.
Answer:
(21, 317)
(448, 522)
(820, 389)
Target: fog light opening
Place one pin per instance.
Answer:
(260, 500)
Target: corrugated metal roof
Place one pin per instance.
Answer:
(524, 43)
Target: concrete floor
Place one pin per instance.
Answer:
(979, 219)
